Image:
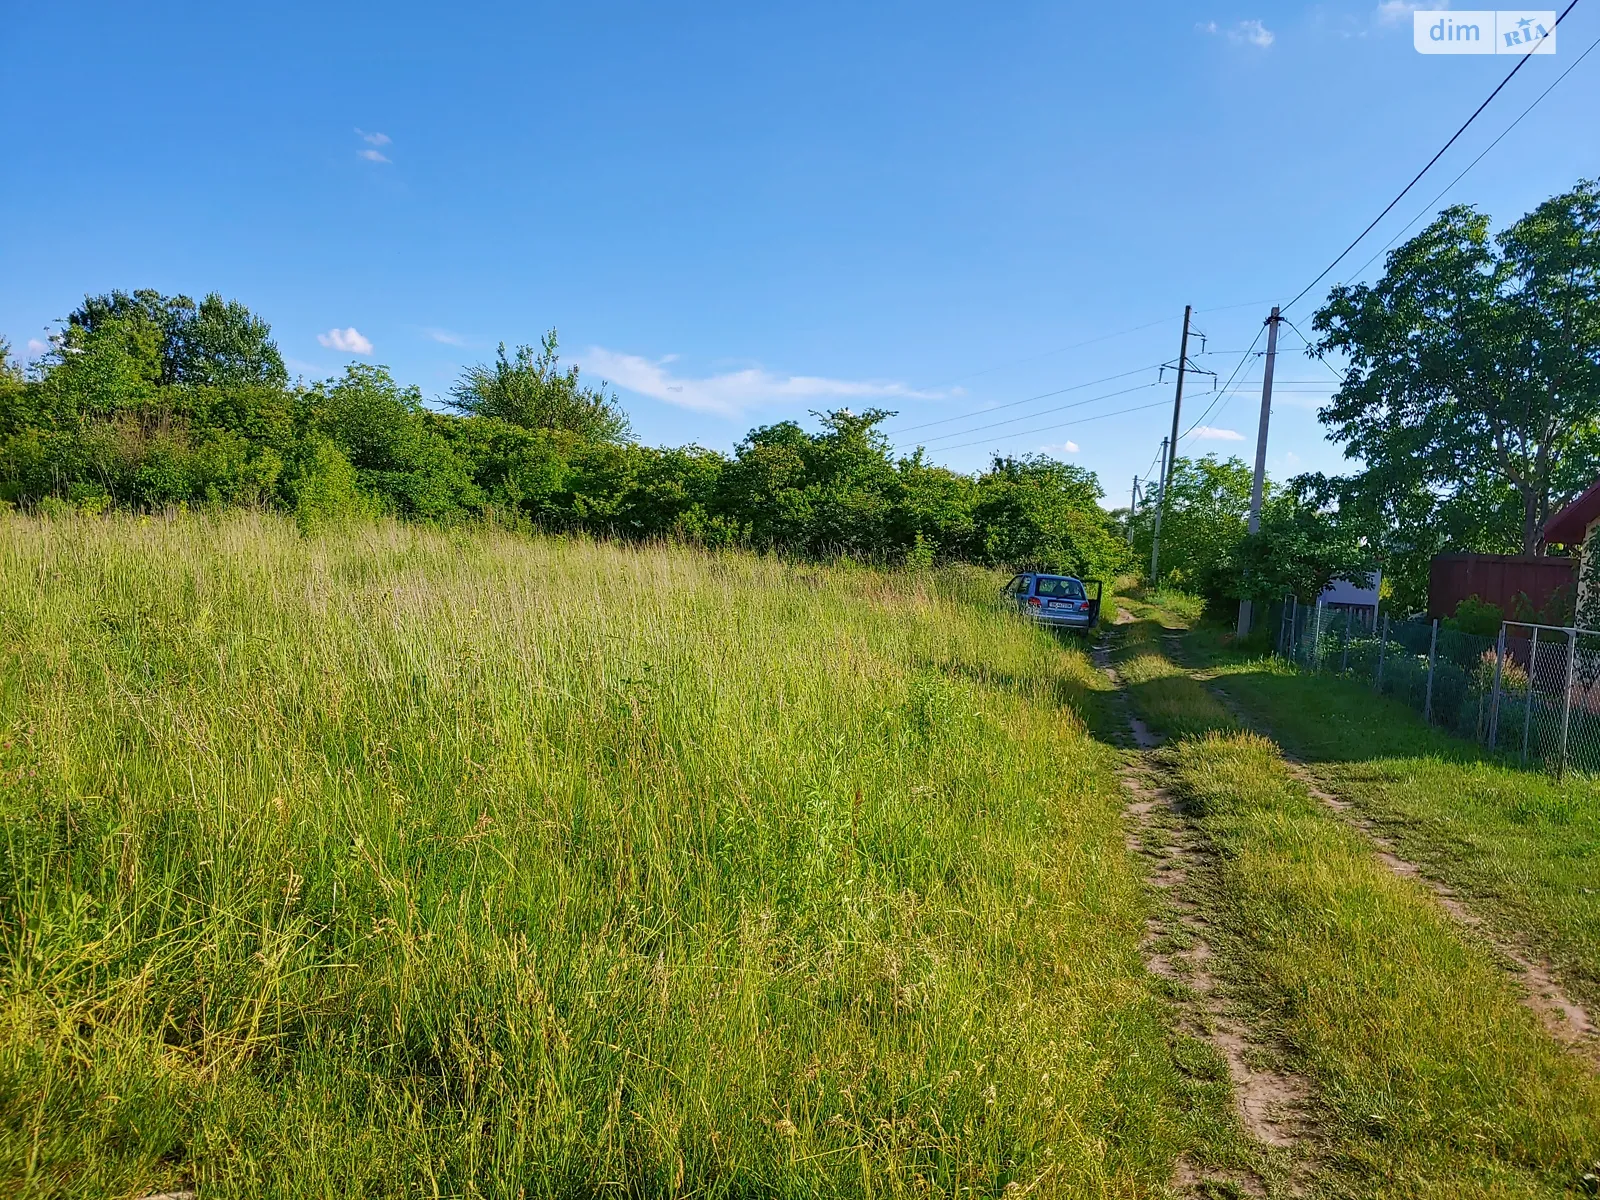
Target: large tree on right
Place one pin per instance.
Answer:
(1475, 371)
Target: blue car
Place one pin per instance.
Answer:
(1059, 601)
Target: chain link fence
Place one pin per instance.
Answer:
(1533, 691)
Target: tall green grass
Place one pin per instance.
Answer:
(394, 862)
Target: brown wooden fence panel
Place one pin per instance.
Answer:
(1499, 579)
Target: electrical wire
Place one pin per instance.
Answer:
(1104, 337)
(1121, 412)
(978, 412)
(1030, 416)
(1223, 390)
(899, 431)
(1341, 376)
(1521, 62)
(1017, 362)
(1428, 207)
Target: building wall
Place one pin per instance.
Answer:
(1499, 579)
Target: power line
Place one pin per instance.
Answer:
(1104, 337)
(1223, 390)
(1521, 62)
(1017, 362)
(1341, 376)
(1427, 208)
(978, 412)
(1121, 412)
(1030, 416)
(898, 432)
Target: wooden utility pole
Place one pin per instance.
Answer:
(1258, 487)
(1161, 503)
(1171, 460)
(1177, 397)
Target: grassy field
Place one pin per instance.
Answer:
(396, 862)
(1430, 1078)
(1522, 846)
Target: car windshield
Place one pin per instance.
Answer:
(1060, 589)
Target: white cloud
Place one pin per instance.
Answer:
(373, 156)
(374, 139)
(1061, 448)
(1207, 433)
(445, 337)
(349, 340)
(36, 347)
(1206, 27)
(733, 392)
(1392, 12)
(1253, 33)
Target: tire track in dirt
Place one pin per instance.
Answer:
(1562, 1017)
(1273, 1106)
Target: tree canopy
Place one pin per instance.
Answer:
(1474, 377)
(152, 401)
(529, 389)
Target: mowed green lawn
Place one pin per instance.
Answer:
(1428, 1075)
(396, 862)
(1523, 846)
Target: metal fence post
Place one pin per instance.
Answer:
(1377, 684)
(1499, 668)
(1527, 707)
(1344, 651)
(1433, 648)
(1316, 640)
(1566, 701)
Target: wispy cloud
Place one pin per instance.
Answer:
(36, 347)
(445, 337)
(1208, 433)
(1392, 12)
(1252, 33)
(1060, 448)
(1244, 33)
(733, 392)
(373, 141)
(349, 340)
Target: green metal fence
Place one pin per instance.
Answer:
(1532, 691)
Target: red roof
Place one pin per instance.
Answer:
(1570, 524)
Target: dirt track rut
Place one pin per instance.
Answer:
(1272, 1105)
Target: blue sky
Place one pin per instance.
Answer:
(740, 213)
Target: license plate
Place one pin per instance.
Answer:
(1059, 604)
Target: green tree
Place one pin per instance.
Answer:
(221, 343)
(392, 443)
(529, 389)
(1202, 526)
(1475, 365)
(1300, 548)
(180, 342)
(1034, 513)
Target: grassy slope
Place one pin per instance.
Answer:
(396, 862)
(1523, 847)
(1431, 1077)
